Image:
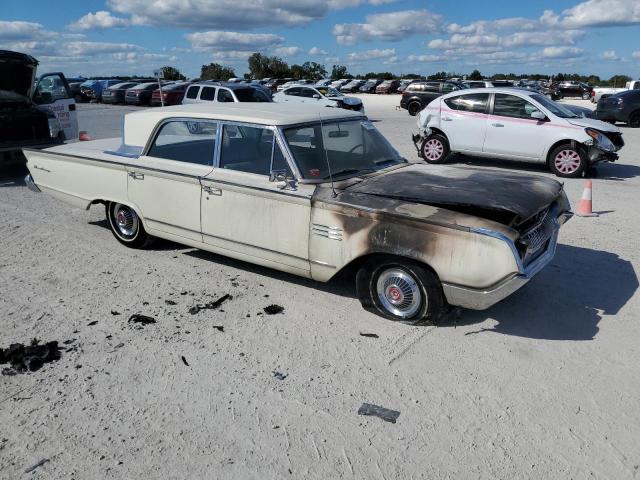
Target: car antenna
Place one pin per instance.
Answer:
(326, 156)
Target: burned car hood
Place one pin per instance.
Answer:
(17, 72)
(13, 100)
(593, 123)
(506, 198)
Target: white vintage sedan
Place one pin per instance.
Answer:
(313, 193)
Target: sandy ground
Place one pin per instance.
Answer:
(542, 385)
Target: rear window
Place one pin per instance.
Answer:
(476, 102)
(186, 141)
(250, 95)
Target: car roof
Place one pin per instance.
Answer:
(139, 125)
(507, 90)
(229, 85)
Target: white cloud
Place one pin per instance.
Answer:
(287, 51)
(99, 20)
(598, 13)
(92, 48)
(371, 54)
(316, 51)
(241, 14)
(219, 40)
(561, 52)
(20, 30)
(388, 26)
(636, 54)
(425, 58)
(609, 55)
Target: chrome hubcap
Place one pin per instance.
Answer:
(567, 161)
(433, 149)
(398, 293)
(126, 220)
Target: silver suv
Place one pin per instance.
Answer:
(220, 92)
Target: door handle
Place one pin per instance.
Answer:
(497, 125)
(446, 119)
(136, 175)
(211, 190)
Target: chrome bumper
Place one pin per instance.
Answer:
(28, 180)
(481, 299)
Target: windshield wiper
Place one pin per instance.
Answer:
(349, 171)
(387, 160)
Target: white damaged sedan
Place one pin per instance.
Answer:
(319, 95)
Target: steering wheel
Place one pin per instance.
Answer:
(357, 146)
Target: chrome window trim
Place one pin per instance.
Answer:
(156, 130)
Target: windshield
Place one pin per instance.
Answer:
(351, 147)
(251, 95)
(329, 92)
(555, 108)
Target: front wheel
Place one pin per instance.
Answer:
(435, 149)
(401, 290)
(126, 226)
(586, 96)
(634, 120)
(567, 162)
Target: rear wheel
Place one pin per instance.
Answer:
(586, 95)
(634, 119)
(435, 148)
(400, 289)
(126, 226)
(567, 162)
(413, 108)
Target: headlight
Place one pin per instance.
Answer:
(54, 127)
(600, 140)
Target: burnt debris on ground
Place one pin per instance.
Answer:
(380, 412)
(211, 305)
(22, 358)
(273, 309)
(279, 375)
(142, 319)
(369, 335)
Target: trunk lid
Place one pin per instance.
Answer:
(506, 198)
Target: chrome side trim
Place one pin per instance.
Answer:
(254, 246)
(28, 180)
(333, 233)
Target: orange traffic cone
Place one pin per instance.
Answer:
(585, 206)
(84, 136)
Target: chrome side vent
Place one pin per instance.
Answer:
(332, 233)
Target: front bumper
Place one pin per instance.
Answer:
(28, 180)
(481, 299)
(597, 155)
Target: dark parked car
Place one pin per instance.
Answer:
(388, 86)
(115, 93)
(171, 94)
(620, 107)
(352, 86)
(140, 94)
(419, 94)
(91, 90)
(370, 86)
(33, 115)
(575, 89)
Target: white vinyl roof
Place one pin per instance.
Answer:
(138, 126)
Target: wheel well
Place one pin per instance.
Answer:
(351, 268)
(634, 112)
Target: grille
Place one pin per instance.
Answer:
(535, 240)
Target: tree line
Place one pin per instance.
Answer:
(266, 66)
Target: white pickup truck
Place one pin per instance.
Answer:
(598, 92)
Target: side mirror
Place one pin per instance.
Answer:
(316, 96)
(538, 115)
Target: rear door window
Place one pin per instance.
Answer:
(193, 92)
(191, 141)
(475, 102)
(208, 94)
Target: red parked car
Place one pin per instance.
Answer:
(171, 94)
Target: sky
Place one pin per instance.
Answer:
(125, 37)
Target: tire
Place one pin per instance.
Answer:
(586, 96)
(435, 149)
(634, 119)
(567, 162)
(126, 226)
(413, 108)
(401, 290)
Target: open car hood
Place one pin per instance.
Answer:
(17, 72)
(506, 198)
